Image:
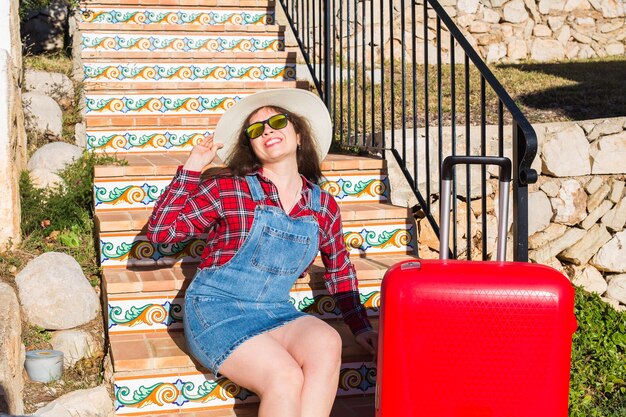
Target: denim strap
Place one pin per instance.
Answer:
(255, 188)
(316, 199)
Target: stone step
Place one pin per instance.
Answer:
(363, 239)
(151, 279)
(128, 195)
(170, 17)
(346, 406)
(164, 311)
(165, 350)
(151, 165)
(136, 220)
(186, 390)
(160, 103)
(187, 75)
(177, 28)
(178, 55)
(125, 44)
(165, 88)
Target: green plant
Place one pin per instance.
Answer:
(68, 208)
(598, 379)
(27, 6)
(61, 218)
(36, 337)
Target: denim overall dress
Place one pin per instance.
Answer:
(249, 295)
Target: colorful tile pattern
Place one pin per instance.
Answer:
(179, 72)
(187, 17)
(119, 249)
(357, 187)
(112, 195)
(141, 314)
(145, 314)
(128, 194)
(136, 141)
(392, 237)
(142, 104)
(196, 391)
(132, 250)
(128, 43)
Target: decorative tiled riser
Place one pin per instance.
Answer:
(127, 194)
(128, 43)
(137, 141)
(157, 104)
(197, 391)
(128, 249)
(159, 313)
(357, 187)
(187, 72)
(187, 17)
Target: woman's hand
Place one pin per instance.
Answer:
(202, 154)
(369, 341)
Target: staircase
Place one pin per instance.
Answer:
(158, 75)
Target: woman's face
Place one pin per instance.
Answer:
(273, 145)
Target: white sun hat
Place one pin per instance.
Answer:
(300, 102)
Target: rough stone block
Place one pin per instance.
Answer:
(591, 280)
(612, 256)
(596, 214)
(553, 248)
(585, 248)
(515, 12)
(598, 197)
(552, 232)
(617, 190)
(570, 204)
(550, 187)
(567, 154)
(617, 288)
(593, 185)
(541, 209)
(615, 219)
(12, 358)
(55, 294)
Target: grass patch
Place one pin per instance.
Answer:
(544, 92)
(598, 380)
(56, 62)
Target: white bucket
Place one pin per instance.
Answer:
(44, 365)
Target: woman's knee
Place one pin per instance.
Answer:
(326, 347)
(285, 377)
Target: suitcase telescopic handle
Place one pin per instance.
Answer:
(447, 173)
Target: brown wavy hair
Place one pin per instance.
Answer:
(242, 159)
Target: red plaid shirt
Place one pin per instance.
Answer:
(224, 207)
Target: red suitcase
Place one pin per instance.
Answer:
(465, 338)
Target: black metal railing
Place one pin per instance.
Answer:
(400, 78)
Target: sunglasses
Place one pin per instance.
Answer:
(277, 121)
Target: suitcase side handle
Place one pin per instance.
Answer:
(447, 173)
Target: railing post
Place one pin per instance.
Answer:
(520, 198)
(327, 60)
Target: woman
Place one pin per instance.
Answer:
(266, 220)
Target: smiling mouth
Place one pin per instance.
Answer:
(272, 141)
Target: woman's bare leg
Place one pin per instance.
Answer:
(316, 347)
(263, 365)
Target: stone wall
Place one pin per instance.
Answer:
(500, 30)
(578, 206)
(12, 134)
(577, 209)
(542, 30)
